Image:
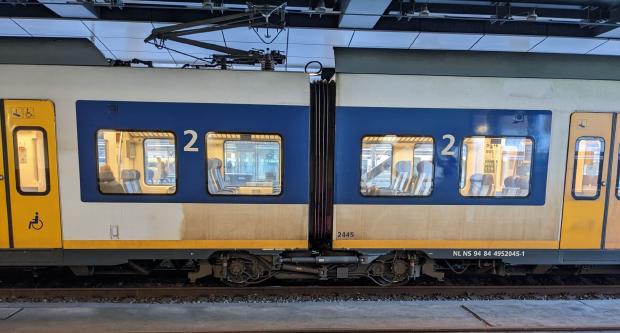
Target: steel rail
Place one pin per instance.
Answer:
(430, 330)
(278, 291)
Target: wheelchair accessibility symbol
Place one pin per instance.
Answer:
(36, 223)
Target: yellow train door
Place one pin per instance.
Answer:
(612, 223)
(30, 175)
(5, 225)
(587, 173)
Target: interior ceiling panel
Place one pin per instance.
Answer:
(113, 29)
(507, 43)
(10, 28)
(383, 39)
(314, 27)
(53, 28)
(445, 41)
(610, 47)
(568, 45)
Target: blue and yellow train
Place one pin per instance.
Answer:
(252, 175)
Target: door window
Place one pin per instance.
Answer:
(589, 154)
(32, 165)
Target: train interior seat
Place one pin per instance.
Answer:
(475, 184)
(212, 183)
(131, 181)
(216, 182)
(510, 186)
(481, 185)
(488, 185)
(424, 180)
(523, 184)
(403, 176)
(108, 184)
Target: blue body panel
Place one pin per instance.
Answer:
(291, 122)
(353, 123)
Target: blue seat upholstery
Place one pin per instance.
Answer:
(131, 181)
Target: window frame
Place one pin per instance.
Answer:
(617, 185)
(600, 169)
(175, 159)
(532, 163)
(206, 157)
(359, 168)
(176, 150)
(47, 165)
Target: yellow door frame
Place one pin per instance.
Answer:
(611, 230)
(34, 213)
(583, 218)
(6, 230)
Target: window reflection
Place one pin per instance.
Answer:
(589, 153)
(136, 162)
(159, 162)
(32, 164)
(496, 166)
(244, 164)
(396, 166)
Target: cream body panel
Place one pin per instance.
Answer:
(435, 222)
(64, 85)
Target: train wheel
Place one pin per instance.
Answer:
(242, 269)
(390, 270)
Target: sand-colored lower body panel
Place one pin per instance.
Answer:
(441, 227)
(189, 226)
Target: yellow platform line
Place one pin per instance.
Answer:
(444, 244)
(185, 244)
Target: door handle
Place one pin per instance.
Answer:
(603, 183)
(1, 177)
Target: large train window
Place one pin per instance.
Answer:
(397, 166)
(136, 162)
(496, 166)
(32, 165)
(244, 164)
(589, 153)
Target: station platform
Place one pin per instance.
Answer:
(344, 316)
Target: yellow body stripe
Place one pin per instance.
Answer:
(444, 244)
(185, 244)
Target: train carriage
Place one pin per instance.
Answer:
(253, 175)
(468, 167)
(151, 160)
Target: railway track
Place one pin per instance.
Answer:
(431, 330)
(309, 291)
(165, 294)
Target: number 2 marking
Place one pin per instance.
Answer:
(190, 144)
(446, 151)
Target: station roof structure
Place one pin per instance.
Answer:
(312, 28)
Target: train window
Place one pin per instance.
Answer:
(136, 162)
(496, 166)
(589, 153)
(244, 164)
(159, 166)
(32, 164)
(397, 166)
